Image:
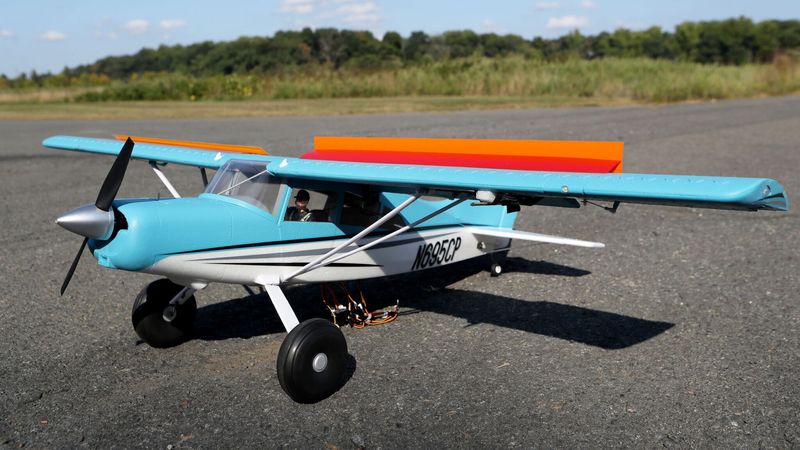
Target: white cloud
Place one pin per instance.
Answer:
(106, 35)
(360, 14)
(547, 5)
(633, 26)
(137, 26)
(588, 4)
(490, 26)
(358, 8)
(53, 35)
(300, 6)
(571, 22)
(172, 24)
(5, 34)
(363, 20)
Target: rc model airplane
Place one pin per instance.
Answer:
(352, 208)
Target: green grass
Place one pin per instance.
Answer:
(266, 108)
(448, 85)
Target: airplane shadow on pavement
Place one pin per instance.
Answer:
(428, 290)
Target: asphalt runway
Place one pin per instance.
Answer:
(683, 332)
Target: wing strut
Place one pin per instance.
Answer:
(164, 180)
(317, 262)
(333, 259)
(331, 256)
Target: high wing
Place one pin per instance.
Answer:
(530, 186)
(502, 186)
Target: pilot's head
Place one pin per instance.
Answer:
(301, 199)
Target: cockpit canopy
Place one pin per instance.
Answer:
(248, 181)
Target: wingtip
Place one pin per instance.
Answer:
(48, 141)
(774, 197)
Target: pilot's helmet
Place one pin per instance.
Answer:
(302, 196)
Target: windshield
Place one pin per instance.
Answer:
(248, 181)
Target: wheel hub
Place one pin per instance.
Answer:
(320, 362)
(170, 312)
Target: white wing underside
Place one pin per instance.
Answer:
(535, 237)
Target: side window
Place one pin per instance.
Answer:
(247, 181)
(360, 209)
(395, 222)
(389, 201)
(309, 205)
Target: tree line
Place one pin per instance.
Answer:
(734, 41)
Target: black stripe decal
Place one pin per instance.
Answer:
(294, 264)
(319, 239)
(316, 252)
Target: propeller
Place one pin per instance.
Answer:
(108, 191)
(73, 266)
(114, 178)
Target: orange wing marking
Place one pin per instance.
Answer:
(248, 149)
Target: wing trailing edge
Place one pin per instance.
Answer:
(184, 154)
(211, 146)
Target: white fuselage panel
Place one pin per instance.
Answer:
(407, 252)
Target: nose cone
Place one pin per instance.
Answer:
(88, 221)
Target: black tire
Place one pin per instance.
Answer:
(298, 378)
(496, 270)
(148, 315)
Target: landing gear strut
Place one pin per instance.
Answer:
(311, 361)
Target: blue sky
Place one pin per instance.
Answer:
(47, 35)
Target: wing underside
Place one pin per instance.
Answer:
(533, 237)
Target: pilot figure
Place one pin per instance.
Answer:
(299, 212)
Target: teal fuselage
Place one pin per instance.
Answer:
(158, 228)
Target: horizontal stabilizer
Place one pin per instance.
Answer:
(535, 237)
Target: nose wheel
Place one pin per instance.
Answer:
(159, 323)
(311, 361)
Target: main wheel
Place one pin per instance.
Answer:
(311, 361)
(158, 323)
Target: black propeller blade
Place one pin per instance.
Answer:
(73, 266)
(114, 178)
(105, 198)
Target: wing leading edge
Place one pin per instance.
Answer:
(678, 190)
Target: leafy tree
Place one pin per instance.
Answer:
(731, 41)
(394, 41)
(417, 45)
(461, 43)
(494, 45)
(687, 38)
